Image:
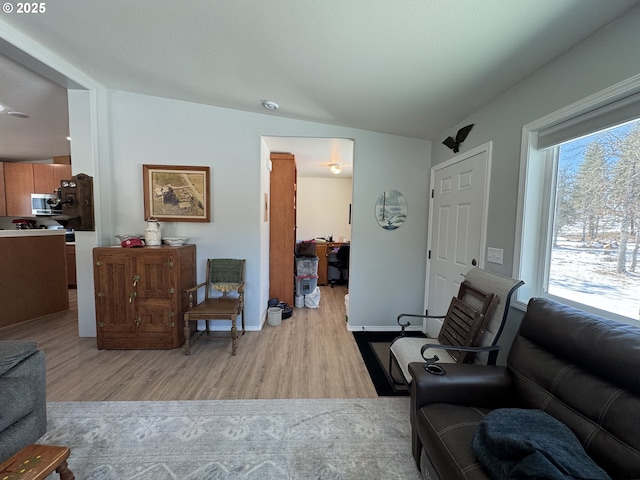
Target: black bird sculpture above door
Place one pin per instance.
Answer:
(460, 137)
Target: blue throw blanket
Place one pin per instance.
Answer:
(514, 443)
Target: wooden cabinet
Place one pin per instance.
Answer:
(282, 235)
(70, 251)
(3, 198)
(18, 185)
(32, 275)
(21, 179)
(46, 176)
(139, 295)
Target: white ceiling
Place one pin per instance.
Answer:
(411, 68)
(43, 134)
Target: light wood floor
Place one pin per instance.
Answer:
(310, 355)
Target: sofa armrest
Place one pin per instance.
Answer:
(462, 384)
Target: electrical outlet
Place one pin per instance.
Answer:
(494, 255)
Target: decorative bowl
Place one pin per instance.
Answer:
(175, 241)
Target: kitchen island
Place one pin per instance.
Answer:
(33, 274)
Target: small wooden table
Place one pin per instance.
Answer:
(35, 462)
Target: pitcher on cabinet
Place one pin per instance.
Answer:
(152, 235)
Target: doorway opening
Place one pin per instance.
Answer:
(323, 198)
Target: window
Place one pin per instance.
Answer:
(579, 209)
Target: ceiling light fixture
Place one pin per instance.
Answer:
(1, 108)
(269, 105)
(18, 114)
(335, 168)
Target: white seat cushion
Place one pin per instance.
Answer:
(407, 350)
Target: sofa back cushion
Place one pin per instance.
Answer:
(12, 352)
(583, 370)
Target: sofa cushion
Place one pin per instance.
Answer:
(582, 370)
(13, 352)
(18, 399)
(446, 431)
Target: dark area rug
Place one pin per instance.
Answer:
(374, 348)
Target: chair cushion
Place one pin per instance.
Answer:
(220, 308)
(13, 352)
(407, 350)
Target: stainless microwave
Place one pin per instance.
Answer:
(45, 204)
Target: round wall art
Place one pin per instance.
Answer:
(391, 209)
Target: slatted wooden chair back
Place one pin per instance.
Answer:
(464, 325)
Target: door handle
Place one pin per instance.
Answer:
(474, 262)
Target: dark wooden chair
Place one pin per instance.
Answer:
(223, 299)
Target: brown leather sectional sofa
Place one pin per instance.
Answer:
(579, 368)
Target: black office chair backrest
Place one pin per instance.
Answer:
(343, 254)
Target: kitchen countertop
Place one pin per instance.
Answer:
(35, 232)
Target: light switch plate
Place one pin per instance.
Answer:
(494, 255)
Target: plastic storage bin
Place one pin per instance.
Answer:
(306, 284)
(306, 266)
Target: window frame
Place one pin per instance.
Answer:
(536, 200)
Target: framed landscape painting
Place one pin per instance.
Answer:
(176, 193)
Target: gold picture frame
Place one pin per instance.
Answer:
(176, 193)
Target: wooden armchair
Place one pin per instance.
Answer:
(225, 276)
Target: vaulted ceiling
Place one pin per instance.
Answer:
(411, 67)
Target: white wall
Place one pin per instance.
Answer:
(323, 208)
(138, 129)
(118, 132)
(606, 58)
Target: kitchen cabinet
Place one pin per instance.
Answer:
(33, 278)
(70, 251)
(282, 235)
(3, 198)
(18, 184)
(22, 179)
(139, 295)
(47, 177)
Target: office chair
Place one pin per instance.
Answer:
(342, 264)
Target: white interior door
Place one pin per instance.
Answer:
(457, 226)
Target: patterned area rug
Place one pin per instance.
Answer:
(325, 439)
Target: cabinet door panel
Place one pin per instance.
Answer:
(18, 182)
(115, 297)
(157, 316)
(60, 172)
(3, 201)
(43, 178)
(156, 276)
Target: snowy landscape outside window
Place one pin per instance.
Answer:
(593, 246)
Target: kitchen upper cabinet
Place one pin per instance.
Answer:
(18, 185)
(3, 198)
(22, 179)
(60, 172)
(47, 177)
